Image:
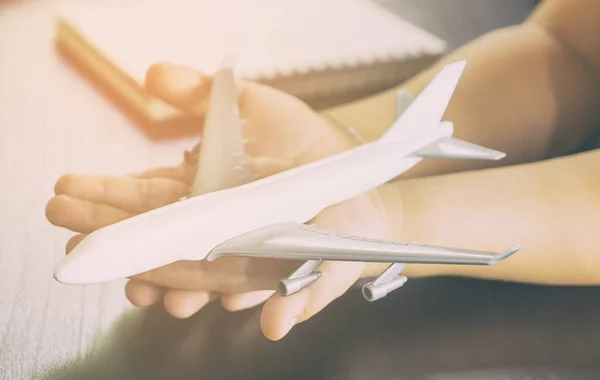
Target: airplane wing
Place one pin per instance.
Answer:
(222, 161)
(301, 242)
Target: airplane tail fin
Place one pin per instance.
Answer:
(427, 110)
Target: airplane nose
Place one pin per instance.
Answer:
(105, 256)
(67, 273)
(80, 267)
(94, 260)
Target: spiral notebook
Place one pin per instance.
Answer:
(322, 51)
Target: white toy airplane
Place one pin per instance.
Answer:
(229, 214)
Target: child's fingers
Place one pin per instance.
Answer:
(225, 275)
(185, 303)
(131, 194)
(81, 215)
(177, 173)
(142, 294)
(180, 86)
(72, 243)
(281, 313)
(184, 172)
(242, 301)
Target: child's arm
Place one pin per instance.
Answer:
(551, 208)
(532, 91)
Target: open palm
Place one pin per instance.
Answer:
(281, 132)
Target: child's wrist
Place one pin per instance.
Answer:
(393, 196)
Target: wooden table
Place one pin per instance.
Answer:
(53, 122)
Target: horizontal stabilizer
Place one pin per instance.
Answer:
(403, 100)
(301, 242)
(449, 147)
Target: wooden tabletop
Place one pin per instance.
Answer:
(53, 122)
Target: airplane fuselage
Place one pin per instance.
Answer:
(191, 228)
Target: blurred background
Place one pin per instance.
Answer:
(71, 100)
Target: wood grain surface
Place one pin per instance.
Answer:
(53, 122)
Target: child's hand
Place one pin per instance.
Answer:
(282, 132)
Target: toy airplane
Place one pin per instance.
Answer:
(232, 215)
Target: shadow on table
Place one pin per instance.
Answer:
(431, 329)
